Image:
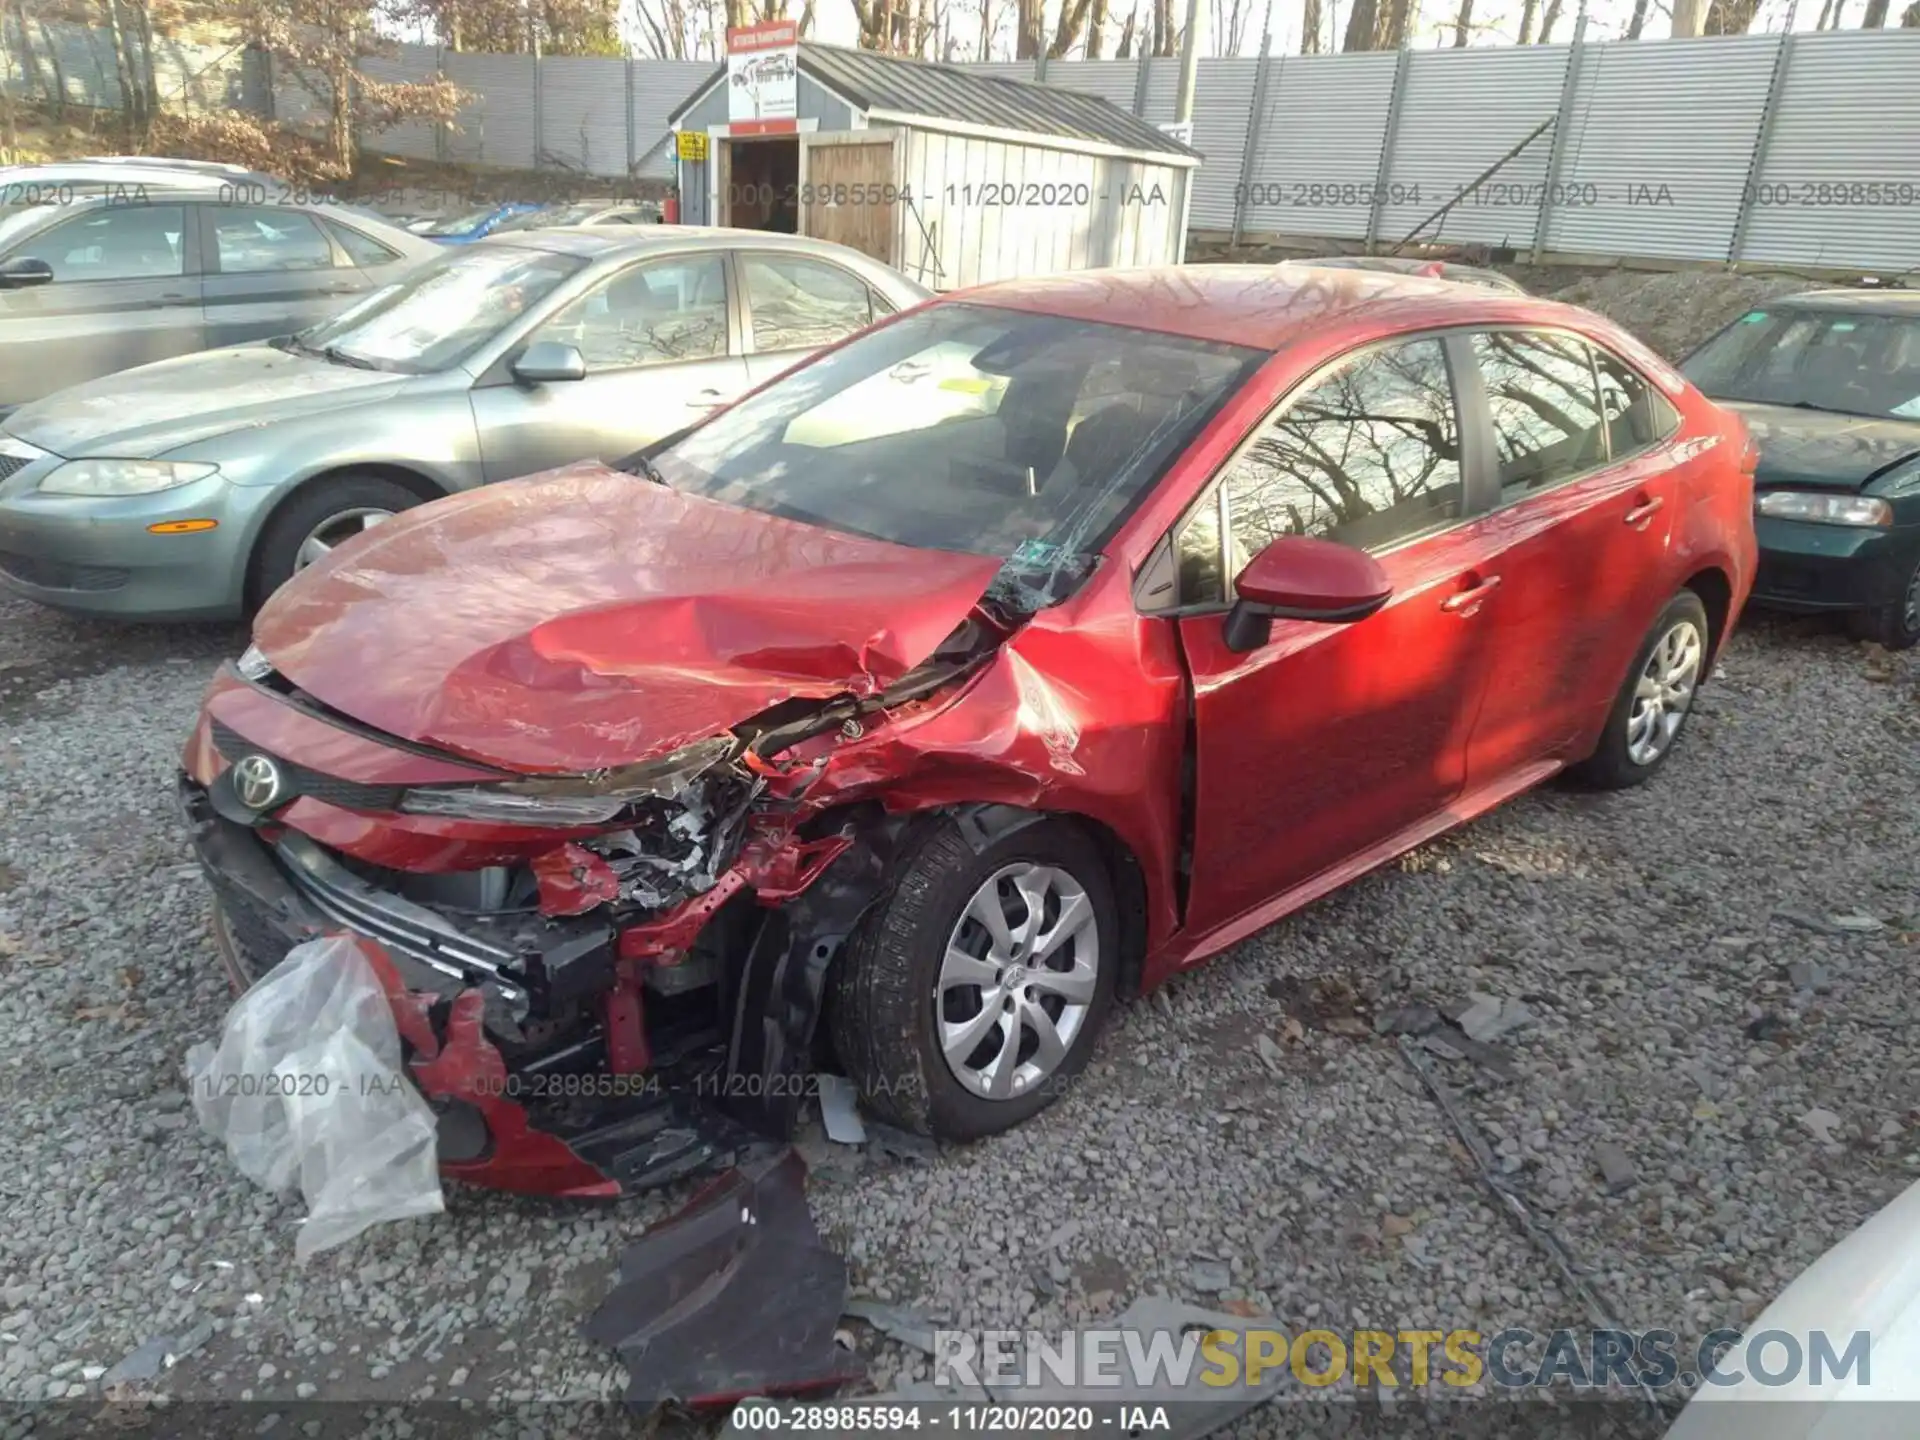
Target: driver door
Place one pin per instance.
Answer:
(661, 350)
(1331, 739)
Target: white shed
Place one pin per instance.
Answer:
(950, 176)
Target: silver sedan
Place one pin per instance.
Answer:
(194, 487)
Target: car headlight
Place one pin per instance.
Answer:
(253, 664)
(122, 477)
(1825, 509)
(571, 799)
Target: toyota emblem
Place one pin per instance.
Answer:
(257, 781)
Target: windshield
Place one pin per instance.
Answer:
(965, 427)
(443, 312)
(460, 224)
(1844, 360)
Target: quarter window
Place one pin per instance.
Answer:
(1637, 414)
(256, 240)
(1368, 457)
(116, 242)
(365, 252)
(658, 314)
(1545, 404)
(802, 304)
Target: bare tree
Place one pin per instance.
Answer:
(1166, 34)
(1528, 10)
(1310, 23)
(1463, 24)
(1073, 20)
(1638, 24)
(1876, 16)
(1910, 17)
(1361, 21)
(1097, 29)
(1731, 17)
(1548, 19)
(1129, 32)
(1230, 19)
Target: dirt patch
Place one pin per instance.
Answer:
(1673, 311)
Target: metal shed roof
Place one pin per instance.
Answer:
(869, 80)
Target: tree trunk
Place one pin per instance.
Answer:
(31, 61)
(1360, 23)
(1026, 43)
(125, 71)
(1097, 30)
(1131, 29)
(1876, 16)
(1073, 19)
(1910, 17)
(1310, 23)
(1638, 24)
(1392, 25)
(1548, 20)
(1463, 23)
(1528, 9)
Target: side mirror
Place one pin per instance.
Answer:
(24, 270)
(547, 362)
(1295, 578)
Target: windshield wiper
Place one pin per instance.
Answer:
(344, 357)
(642, 465)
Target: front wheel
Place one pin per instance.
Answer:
(1896, 625)
(974, 991)
(323, 515)
(1653, 705)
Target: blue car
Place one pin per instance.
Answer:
(471, 225)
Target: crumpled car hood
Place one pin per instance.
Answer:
(585, 618)
(1819, 450)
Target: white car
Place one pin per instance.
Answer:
(1869, 1282)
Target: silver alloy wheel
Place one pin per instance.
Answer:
(1017, 980)
(1664, 693)
(336, 529)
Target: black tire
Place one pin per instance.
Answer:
(1612, 766)
(275, 556)
(881, 1011)
(1895, 625)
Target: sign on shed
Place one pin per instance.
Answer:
(693, 145)
(763, 79)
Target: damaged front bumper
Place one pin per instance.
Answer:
(529, 1033)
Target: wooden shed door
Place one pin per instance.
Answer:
(849, 193)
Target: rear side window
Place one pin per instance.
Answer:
(256, 239)
(1637, 414)
(802, 304)
(1545, 402)
(1369, 456)
(364, 251)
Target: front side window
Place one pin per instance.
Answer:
(252, 239)
(1368, 456)
(962, 427)
(802, 304)
(461, 224)
(115, 242)
(1545, 404)
(656, 314)
(1850, 361)
(443, 312)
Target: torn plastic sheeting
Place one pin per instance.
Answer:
(306, 1091)
(572, 880)
(734, 1295)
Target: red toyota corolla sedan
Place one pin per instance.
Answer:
(1024, 649)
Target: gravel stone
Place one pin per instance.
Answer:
(1795, 788)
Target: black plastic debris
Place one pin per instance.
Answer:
(733, 1296)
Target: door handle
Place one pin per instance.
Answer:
(165, 300)
(1465, 602)
(1644, 511)
(706, 400)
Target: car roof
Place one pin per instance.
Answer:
(596, 241)
(133, 170)
(1872, 302)
(1264, 306)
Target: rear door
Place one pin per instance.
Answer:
(792, 305)
(271, 270)
(1331, 739)
(661, 349)
(125, 291)
(1584, 515)
(849, 194)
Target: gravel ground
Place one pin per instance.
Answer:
(1246, 1115)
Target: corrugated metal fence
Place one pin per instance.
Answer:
(1795, 150)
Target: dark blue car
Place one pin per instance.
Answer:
(471, 225)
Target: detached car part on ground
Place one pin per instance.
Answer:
(1007, 659)
(195, 487)
(1829, 384)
